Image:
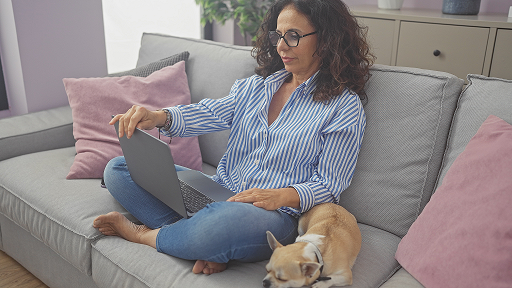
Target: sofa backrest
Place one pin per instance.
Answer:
(408, 116)
(212, 69)
(483, 96)
(408, 111)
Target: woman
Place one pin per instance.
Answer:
(295, 137)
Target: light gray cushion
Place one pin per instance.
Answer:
(482, 97)
(136, 265)
(408, 116)
(34, 132)
(402, 278)
(229, 62)
(376, 260)
(146, 70)
(35, 194)
(209, 169)
(212, 69)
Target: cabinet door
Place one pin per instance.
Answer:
(380, 38)
(459, 50)
(501, 65)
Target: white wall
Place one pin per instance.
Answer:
(126, 20)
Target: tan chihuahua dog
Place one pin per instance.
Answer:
(325, 251)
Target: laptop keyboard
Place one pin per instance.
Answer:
(194, 200)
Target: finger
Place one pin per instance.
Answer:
(260, 204)
(115, 119)
(140, 114)
(240, 194)
(128, 120)
(246, 198)
(243, 199)
(265, 205)
(123, 121)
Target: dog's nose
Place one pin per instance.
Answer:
(266, 283)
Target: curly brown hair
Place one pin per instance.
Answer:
(342, 46)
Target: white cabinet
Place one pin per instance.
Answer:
(428, 39)
(442, 47)
(380, 37)
(501, 65)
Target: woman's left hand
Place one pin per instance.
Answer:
(268, 199)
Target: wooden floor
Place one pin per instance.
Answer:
(12, 274)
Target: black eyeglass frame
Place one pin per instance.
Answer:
(270, 33)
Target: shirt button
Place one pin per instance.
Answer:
(256, 162)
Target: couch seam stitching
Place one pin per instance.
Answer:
(45, 214)
(436, 136)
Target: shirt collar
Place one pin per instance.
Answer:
(281, 75)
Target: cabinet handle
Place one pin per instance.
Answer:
(437, 52)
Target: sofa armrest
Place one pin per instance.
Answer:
(35, 132)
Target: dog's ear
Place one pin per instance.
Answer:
(272, 241)
(309, 269)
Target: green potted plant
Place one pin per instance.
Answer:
(248, 14)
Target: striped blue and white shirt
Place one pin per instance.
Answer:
(311, 146)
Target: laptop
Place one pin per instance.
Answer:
(151, 166)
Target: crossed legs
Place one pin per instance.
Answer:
(116, 224)
(220, 232)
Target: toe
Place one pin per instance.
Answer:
(199, 266)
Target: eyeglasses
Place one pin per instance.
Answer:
(291, 38)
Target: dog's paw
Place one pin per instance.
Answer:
(321, 284)
(333, 280)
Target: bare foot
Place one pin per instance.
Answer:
(116, 224)
(208, 267)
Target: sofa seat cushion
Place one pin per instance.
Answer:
(408, 116)
(35, 194)
(135, 265)
(402, 278)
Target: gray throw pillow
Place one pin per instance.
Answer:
(146, 70)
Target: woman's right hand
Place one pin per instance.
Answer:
(138, 117)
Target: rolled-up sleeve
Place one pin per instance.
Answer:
(207, 116)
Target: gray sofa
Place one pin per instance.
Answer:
(418, 121)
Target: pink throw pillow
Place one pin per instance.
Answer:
(463, 237)
(94, 100)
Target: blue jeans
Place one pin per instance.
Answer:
(220, 232)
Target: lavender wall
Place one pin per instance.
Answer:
(45, 41)
(486, 6)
